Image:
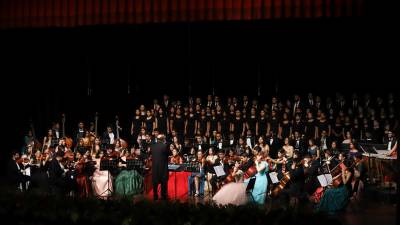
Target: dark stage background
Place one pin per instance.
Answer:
(112, 69)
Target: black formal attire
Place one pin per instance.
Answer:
(159, 153)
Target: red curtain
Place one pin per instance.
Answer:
(70, 13)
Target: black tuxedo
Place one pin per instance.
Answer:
(79, 134)
(106, 138)
(252, 140)
(300, 146)
(14, 174)
(159, 152)
(56, 179)
(274, 147)
(327, 140)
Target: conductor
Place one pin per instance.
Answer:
(159, 153)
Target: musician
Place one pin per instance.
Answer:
(299, 143)
(61, 145)
(274, 145)
(391, 142)
(219, 143)
(294, 191)
(235, 192)
(130, 182)
(159, 153)
(56, 174)
(199, 143)
(330, 161)
(246, 161)
(56, 130)
(324, 141)
(336, 199)
(250, 139)
(313, 149)
(353, 150)
(260, 187)
(80, 133)
(14, 174)
(289, 150)
(49, 139)
(280, 163)
(220, 161)
(109, 136)
(175, 158)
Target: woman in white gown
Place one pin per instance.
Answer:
(233, 193)
(101, 181)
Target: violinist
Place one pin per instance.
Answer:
(260, 187)
(82, 182)
(330, 162)
(175, 158)
(14, 174)
(297, 178)
(56, 174)
(235, 192)
(232, 157)
(280, 163)
(26, 171)
(246, 161)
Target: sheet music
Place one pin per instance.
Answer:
(325, 179)
(219, 170)
(274, 177)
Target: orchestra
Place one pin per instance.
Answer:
(285, 151)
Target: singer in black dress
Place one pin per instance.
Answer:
(162, 121)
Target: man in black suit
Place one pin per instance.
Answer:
(14, 174)
(159, 153)
(274, 145)
(56, 172)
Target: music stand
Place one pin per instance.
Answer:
(108, 165)
(250, 187)
(135, 164)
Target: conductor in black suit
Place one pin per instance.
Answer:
(159, 153)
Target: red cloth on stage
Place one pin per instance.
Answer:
(176, 179)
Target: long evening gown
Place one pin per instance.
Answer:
(101, 181)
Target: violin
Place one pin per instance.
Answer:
(251, 172)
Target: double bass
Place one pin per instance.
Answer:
(36, 144)
(124, 144)
(68, 141)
